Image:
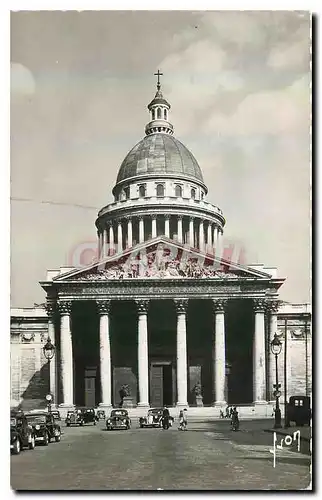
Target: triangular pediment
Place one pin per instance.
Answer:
(162, 258)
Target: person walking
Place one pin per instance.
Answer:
(183, 420)
(165, 418)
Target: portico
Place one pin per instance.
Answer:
(144, 332)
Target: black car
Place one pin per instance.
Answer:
(298, 410)
(153, 418)
(56, 415)
(119, 419)
(81, 416)
(21, 434)
(45, 427)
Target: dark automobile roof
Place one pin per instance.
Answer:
(120, 411)
(155, 409)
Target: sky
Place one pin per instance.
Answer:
(239, 87)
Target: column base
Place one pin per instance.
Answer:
(64, 407)
(260, 403)
(219, 404)
(105, 406)
(182, 405)
(143, 405)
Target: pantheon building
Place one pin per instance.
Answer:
(161, 311)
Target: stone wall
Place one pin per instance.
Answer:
(29, 379)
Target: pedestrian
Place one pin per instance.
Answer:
(183, 420)
(234, 419)
(165, 418)
(227, 412)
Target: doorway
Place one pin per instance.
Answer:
(161, 384)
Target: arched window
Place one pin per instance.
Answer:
(153, 114)
(159, 113)
(178, 191)
(142, 191)
(202, 195)
(127, 192)
(160, 190)
(165, 114)
(193, 193)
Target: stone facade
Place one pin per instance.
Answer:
(162, 310)
(30, 376)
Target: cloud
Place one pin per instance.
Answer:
(22, 82)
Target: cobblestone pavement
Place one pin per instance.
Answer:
(208, 456)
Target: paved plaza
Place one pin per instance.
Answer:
(208, 456)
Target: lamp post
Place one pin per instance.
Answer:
(49, 352)
(276, 347)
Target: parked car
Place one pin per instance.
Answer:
(21, 434)
(45, 427)
(153, 418)
(81, 416)
(56, 415)
(119, 419)
(298, 410)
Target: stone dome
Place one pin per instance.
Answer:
(159, 154)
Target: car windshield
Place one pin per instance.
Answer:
(119, 413)
(36, 419)
(154, 411)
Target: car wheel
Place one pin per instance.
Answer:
(46, 440)
(81, 423)
(32, 443)
(57, 438)
(94, 423)
(16, 447)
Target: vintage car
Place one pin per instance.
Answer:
(45, 427)
(153, 418)
(81, 416)
(21, 434)
(298, 410)
(56, 415)
(119, 419)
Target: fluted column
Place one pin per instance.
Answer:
(167, 225)
(201, 236)
(209, 244)
(181, 308)
(219, 353)
(50, 309)
(105, 242)
(143, 359)
(180, 232)
(191, 233)
(119, 236)
(100, 245)
(214, 238)
(111, 238)
(272, 310)
(154, 226)
(259, 369)
(66, 348)
(141, 229)
(129, 233)
(104, 307)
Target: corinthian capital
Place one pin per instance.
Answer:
(259, 305)
(65, 306)
(181, 305)
(103, 306)
(272, 306)
(219, 305)
(142, 306)
(50, 309)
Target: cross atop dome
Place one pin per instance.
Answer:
(158, 74)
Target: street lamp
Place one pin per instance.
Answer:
(49, 352)
(276, 347)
